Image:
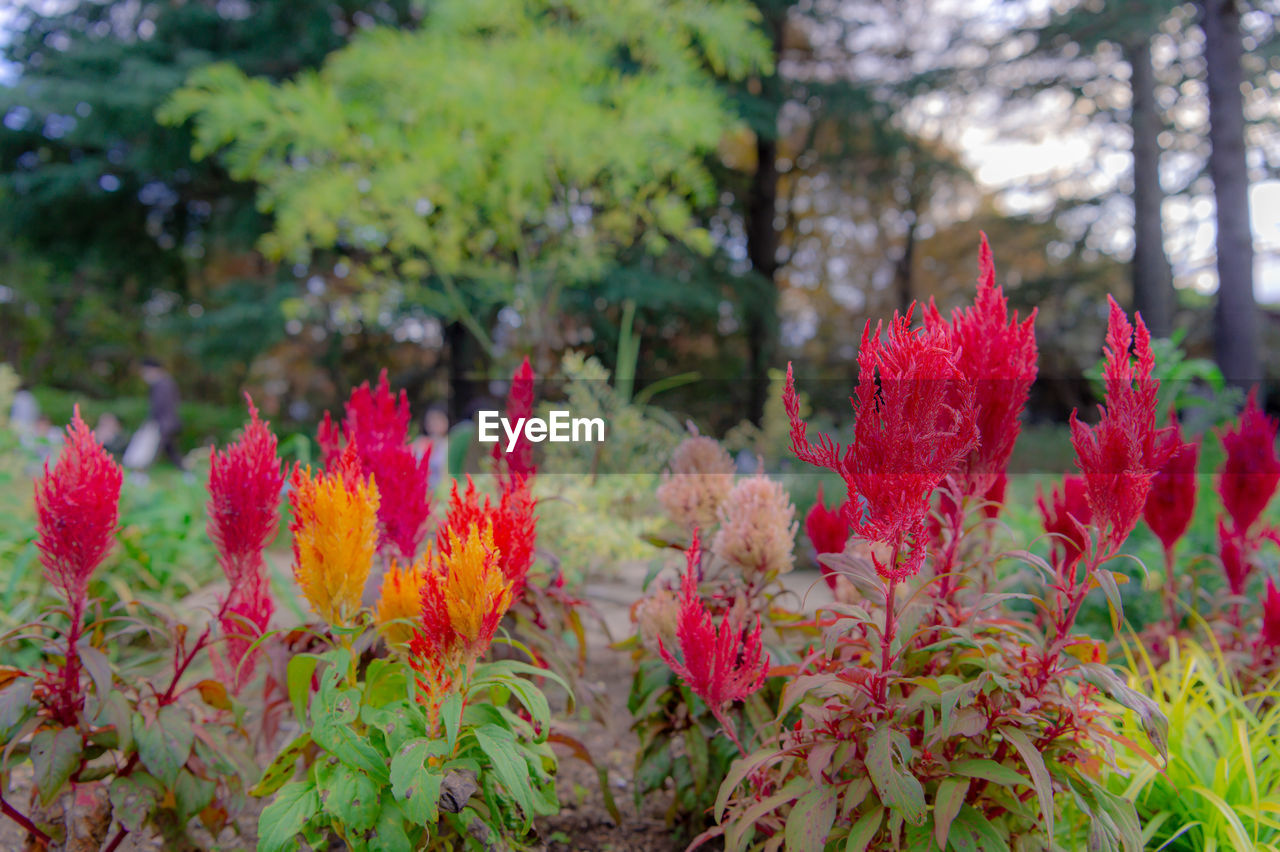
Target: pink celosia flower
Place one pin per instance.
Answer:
(700, 479)
(827, 532)
(1271, 616)
(998, 357)
(517, 464)
(1251, 471)
(757, 530)
(916, 418)
(77, 509)
(993, 500)
(1172, 500)
(1065, 516)
(1234, 551)
(1120, 455)
(245, 480)
(377, 426)
(720, 665)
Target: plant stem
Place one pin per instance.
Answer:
(23, 820)
(1171, 598)
(890, 628)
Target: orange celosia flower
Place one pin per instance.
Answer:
(465, 597)
(401, 601)
(335, 534)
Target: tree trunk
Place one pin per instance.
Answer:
(1153, 295)
(1235, 321)
(904, 269)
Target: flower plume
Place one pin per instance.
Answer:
(827, 532)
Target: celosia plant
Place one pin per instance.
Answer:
(156, 752)
(927, 721)
(757, 531)
(828, 533)
(1170, 505)
(700, 478)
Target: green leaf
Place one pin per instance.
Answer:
(695, 743)
(16, 705)
(165, 744)
(298, 676)
(1153, 720)
(509, 765)
(350, 796)
(133, 799)
(389, 834)
(864, 830)
(282, 767)
(451, 717)
(280, 822)
(55, 754)
(741, 768)
(946, 804)
(972, 832)
(98, 666)
(1039, 773)
(810, 820)
(413, 785)
(192, 795)
(114, 711)
(1107, 580)
(988, 770)
(896, 787)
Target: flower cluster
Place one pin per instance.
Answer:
(827, 532)
(77, 511)
(1123, 452)
(377, 427)
(1066, 517)
(335, 535)
(512, 521)
(400, 601)
(517, 465)
(720, 664)
(1172, 500)
(757, 530)
(916, 419)
(1246, 484)
(700, 478)
(245, 480)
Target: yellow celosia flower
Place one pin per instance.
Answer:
(470, 589)
(401, 601)
(335, 534)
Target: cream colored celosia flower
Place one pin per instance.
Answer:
(657, 617)
(700, 478)
(757, 529)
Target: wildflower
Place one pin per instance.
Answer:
(77, 509)
(513, 523)
(828, 534)
(916, 418)
(335, 535)
(1271, 616)
(1234, 550)
(998, 357)
(657, 618)
(1251, 471)
(244, 513)
(757, 529)
(1172, 500)
(400, 602)
(1120, 455)
(1066, 516)
(700, 478)
(721, 665)
(464, 598)
(377, 426)
(518, 463)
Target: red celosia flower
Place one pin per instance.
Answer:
(513, 521)
(517, 464)
(245, 480)
(1251, 471)
(377, 426)
(1172, 500)
(1271, 616)
(1066, 516)
(828, 533)
(998, 356)
(915, 421)
(77, 509)
(1237, 563)
(1122, 453)
(993, 500)
(244, 513)
(720, 665)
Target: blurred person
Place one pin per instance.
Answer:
(110, 433)
(164, 398)
(24, 413)
(435, 435)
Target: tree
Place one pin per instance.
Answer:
(1235, 313)
(496, 155)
